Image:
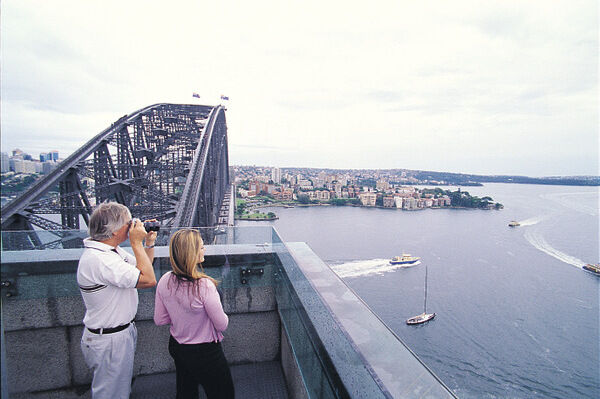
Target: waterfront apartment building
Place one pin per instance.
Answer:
(409, 203)
(368, 198)
(287, 194)
(319, 195)
(323, 195)
(256, 187)
(388, 201)
(398, 202)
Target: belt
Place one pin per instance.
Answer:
(109, 330)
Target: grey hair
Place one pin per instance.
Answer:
(107, 218)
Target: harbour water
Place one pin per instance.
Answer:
(517, 316)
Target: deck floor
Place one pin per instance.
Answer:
(257, 380)
(252, 381)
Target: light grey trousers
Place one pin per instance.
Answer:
(110, 356)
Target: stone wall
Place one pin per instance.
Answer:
(42, 337)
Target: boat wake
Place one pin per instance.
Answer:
(357, 268)
(574, 201)
(532, 221)
(540, 243)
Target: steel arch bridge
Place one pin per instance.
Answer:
(165, 161)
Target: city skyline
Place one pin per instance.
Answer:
(505, 89)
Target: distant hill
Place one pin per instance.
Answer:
(460, 178)
(409, 176)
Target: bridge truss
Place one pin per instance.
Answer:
(165, 161)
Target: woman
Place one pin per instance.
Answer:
(188, 300)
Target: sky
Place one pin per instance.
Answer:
(494, 87)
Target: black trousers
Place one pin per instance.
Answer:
(203, 364)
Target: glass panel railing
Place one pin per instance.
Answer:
(398, 369)
(42, 264)
(328, 361)
(72, 239)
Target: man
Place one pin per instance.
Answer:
(108, 277)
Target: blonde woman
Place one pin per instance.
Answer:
(187, 299)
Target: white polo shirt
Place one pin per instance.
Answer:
(107, 281)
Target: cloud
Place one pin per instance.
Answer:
(331, 83)
(258, 147)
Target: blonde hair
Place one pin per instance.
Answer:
(184, 247)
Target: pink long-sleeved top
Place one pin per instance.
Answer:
(193, 320)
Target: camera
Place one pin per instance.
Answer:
(152, 226)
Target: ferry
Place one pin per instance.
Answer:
(514, 223)
(405, 259)
(594, 268)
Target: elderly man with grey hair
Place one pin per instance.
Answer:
(108, 277)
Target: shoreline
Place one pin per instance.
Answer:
(374, 207)
(257, 219)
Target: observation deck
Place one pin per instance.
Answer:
(296, 329)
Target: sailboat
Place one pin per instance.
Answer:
(423, 317)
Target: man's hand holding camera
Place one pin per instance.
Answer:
(138, 233)
(152, 227)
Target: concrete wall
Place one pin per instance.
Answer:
(42, 337)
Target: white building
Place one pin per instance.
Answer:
(398, 201)
(368, 199)
(290, 178)
(305, 184)
(323, 195)
(5, 162)
(22, 166)
(276, 175)
(405, 190)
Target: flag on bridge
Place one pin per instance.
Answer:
(224, 97)
(196, 95)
